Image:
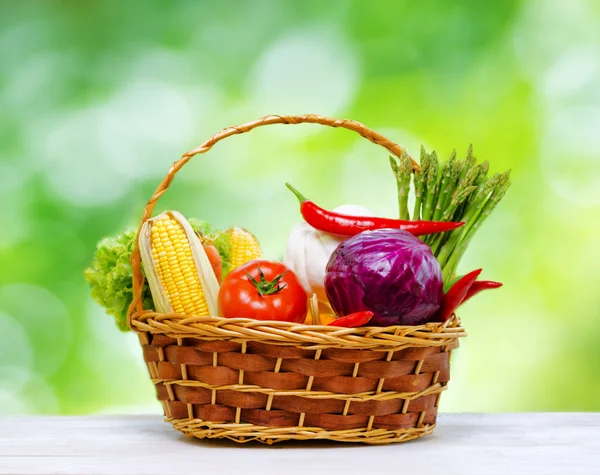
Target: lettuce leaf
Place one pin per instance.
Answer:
(110, 277)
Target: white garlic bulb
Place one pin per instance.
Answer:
(308, 251)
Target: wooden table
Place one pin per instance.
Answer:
(540, 443)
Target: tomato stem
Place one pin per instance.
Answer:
(265, 287)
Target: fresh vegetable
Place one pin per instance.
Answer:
(244, 247)
(110, 274)
(455, 296)
(449, 283)
(458, 191)
(236, 246)
(479, 207)
(110, 277)
(178, 270)
(309, 249)
(344, 225)
(387, 271)
(215, 260)
(480, 285)
(209, 235)
(263, 290)
(354, 320)
(403, 171)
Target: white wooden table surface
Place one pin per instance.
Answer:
(540, 443)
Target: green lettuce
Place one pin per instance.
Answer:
(110, 277)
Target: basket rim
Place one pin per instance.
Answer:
(287, 333)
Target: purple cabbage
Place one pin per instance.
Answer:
(388, 271)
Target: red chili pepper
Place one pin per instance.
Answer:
(346, 225)
(455, 296)
(480, 285)
(354, 320)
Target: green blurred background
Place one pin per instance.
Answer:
(97, 98)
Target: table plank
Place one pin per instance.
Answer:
(531, 443)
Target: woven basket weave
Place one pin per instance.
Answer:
(274, 381)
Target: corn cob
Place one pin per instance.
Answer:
(244, 247)
(178, 270)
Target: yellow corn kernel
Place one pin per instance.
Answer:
(175, 266)
(244, 247)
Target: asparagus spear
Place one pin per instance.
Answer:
(483, 171)
(480, 175)
(394, 165)
(470, 217)
(405, 171)
(462, 192)
(448, 171)
(469, 163)
(467, 175)
(450, 215)
(478, 198)
(402, 169)
(496, 196)
(420, 183)
(432, 185)
(453, 179)
(458, 191)
(444, 188)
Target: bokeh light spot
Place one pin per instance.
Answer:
(16, 350)
(307, 71)
(142, 129)
(46, 321)
(75, 167)
(571, 155)
(571, 72)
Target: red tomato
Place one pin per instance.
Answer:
(263, 290)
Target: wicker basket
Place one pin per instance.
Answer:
(274, 381)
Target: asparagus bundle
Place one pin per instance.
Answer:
(458, 190)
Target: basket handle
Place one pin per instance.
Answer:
(364, 131)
